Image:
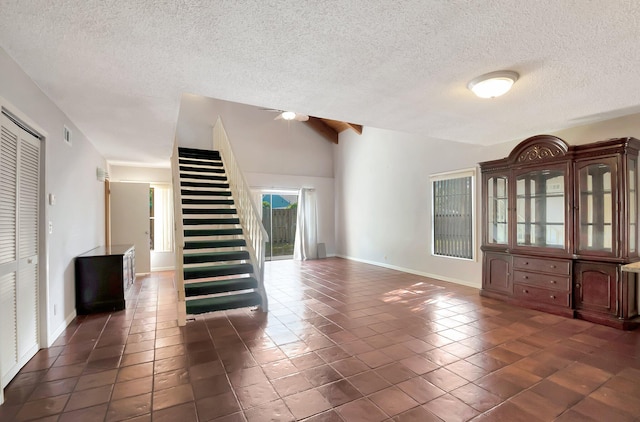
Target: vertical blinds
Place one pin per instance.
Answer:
(453, 217)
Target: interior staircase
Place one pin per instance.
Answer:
(218, 263)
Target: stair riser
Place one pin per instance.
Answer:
(189, 201)
(212, 232)
(201, 259)
(222, 286)
(203, 177)
(189, 192)
(193, 308)
(195, 152)
(210, 221)
(208, 211)
(212, 244)
(218, 272)
(205, 185)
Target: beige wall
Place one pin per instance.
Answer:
(620, 127)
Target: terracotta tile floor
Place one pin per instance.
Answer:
(343, 341)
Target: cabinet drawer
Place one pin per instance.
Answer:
(536, 294)
(546, 281)
(542, 265)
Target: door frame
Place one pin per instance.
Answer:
(275, 191)
(43, 241)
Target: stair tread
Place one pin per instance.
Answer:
(198, 161)
(192, 273)
(204, 169)
(220, 303)
(200, 288)
(201, 176)
(211, 166)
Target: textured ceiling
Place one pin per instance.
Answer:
(118, 68)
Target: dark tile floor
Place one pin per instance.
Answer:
(343, 341)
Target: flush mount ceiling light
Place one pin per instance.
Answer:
(493, 84)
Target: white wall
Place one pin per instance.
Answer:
(383, 204)
(260, 144)
(272, 154)
(383, 194)
(70, 174)
(122, 173)
(160, 261)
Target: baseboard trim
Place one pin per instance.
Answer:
(54, 336)
(411, 271)
(157, 269)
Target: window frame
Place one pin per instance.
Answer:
(450, 175)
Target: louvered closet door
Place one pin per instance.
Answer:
(19, 197)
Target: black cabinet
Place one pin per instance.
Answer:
(103, 275)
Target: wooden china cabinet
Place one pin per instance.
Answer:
(558, 223)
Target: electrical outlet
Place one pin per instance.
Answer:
(50, 227)
(55, 310)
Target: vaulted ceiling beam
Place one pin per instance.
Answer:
(323, 129)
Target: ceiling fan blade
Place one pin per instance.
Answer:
(302, 117)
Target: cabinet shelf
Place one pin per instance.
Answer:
(551, 206)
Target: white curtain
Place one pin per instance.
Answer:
(163, 225)
(306, 241)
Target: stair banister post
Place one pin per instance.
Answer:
(179, 236)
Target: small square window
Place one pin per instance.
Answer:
(452, 224)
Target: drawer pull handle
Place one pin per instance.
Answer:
(553, 266)
(526, 263)
(552, 281)
(578, 285)
(525, 291)
(525, 277)
(552, 296)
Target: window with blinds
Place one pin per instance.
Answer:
(452, 225)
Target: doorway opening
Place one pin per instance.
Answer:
(279, 217)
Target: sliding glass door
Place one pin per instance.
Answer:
(279, 215)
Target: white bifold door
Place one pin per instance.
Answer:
(19, 209)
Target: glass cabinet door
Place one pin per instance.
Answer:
(541, 207)
(497, 201)
(596, 207)
(632, 177)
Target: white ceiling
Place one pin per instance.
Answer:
(118, 68)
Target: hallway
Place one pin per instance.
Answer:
(343, 341)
